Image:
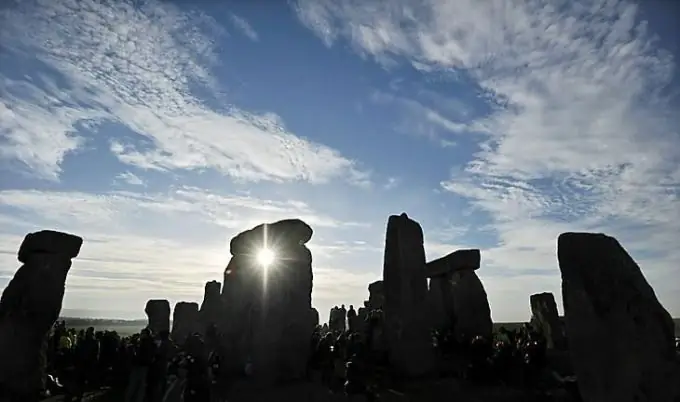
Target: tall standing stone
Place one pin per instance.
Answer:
(29, 306)
(211, 308)
(407, 328)
(621, 339)
(185, 321)
(269, 317)
(471, 306)
(158, 315)
(547, 320)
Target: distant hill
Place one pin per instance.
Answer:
(123, 327)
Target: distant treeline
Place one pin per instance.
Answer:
(99, 322)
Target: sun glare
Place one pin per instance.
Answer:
(265, 257)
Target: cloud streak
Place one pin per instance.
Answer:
(244, 27)
(139, 65)
(580, 135)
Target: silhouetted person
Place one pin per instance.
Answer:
(87, 359)
(143, 357)
(158, 371)
(197, 387)
(351, 318)
(343, 318)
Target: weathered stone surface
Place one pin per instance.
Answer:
(158, 315)
(456, 261)
(621, 339)
(242, 293)
(211, 308)
(29, 306)
(546, 319)
(407, 329)
(279, 234)
(440, 302)
(185, 321)
(472, 314)
(268, 313)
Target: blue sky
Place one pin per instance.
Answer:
(158, 130)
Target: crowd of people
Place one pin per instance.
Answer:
(148, 367)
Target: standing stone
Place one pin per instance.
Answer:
(546, 320)
(29, 306)
(211, 308)
(441, 271)
(621, 339)
(440, 303)
(268, 314)
(376, 295)
(185, 321)
(472, 313)
(315, 316)
(407, 328)
(158, 315)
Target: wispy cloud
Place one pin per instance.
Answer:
(392, 182)
(244, 27)
(122, 209)
(580, 133)
(137, 64)
(422, 120)
(130, 178)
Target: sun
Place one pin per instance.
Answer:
(265, 257)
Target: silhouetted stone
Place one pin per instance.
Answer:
(546, 320)
(376, 298)
(440, 292)
(29, 306)
(211, 308)
(185, 321)
(621, 339)
(268, 312)
(440, 302)
(158, 314)
(457, 261)
(49, 242)
(407, 328)
(315, 315)
(472, 314)
(281, 234)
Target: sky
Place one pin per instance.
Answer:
(158, 130)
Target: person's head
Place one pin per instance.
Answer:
(343, 306)
(351, 307)
(145, 333)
